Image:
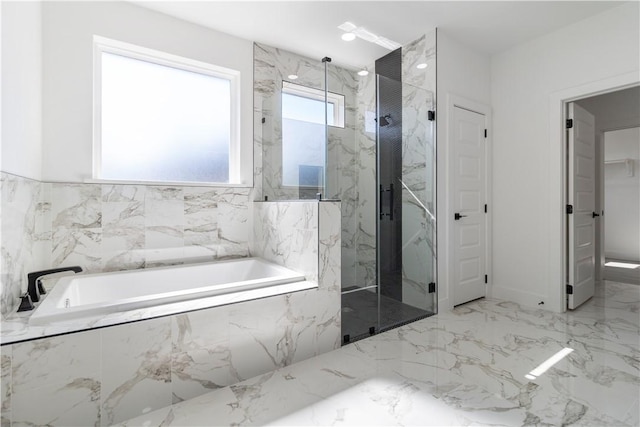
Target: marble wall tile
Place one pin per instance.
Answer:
(327, 305)
(123, 233)
(5, 386)
(233, 229)
(77, 247)
(114, 227)
(201, 354)
(287, 234)
(264, 335)
(21, 233)
(136, 366)
(76, 206)
(61, 377)
(366, 183)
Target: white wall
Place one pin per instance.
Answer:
(465, 73)
(21, 89)
(527, 164)
(622, 195)
(67, 32)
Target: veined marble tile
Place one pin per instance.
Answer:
(233, 230)
(80, 246)
(201, 356)
(61, 375)
(123, 193)
(257, 346)
(76, 206)
(123, 232)
(327, 307)
(288, 235)
(136, 362)
(5, 386)
(54, 361)
(74, 404)
(21, 233)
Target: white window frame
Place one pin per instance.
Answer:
(105, 45)
(318, 94)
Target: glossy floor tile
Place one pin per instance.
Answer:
(481, 364)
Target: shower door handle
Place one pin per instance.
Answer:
(383, 191)
(390, 202)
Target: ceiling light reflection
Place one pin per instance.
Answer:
(544, 366)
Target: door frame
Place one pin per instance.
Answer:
(557, 249)
(454, 101)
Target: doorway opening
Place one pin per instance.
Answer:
(602, 192)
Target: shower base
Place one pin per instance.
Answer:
(360, 313)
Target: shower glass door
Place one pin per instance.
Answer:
(406, 221)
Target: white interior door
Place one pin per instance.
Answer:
(469, 198)
(581, 201)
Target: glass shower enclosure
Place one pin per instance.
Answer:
(368, 141)
(394, 279)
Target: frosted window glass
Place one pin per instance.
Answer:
(305, 109)
(303, 141)
(161, 123)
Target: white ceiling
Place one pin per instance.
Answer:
(310, 27)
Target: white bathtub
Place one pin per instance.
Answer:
(85, 295)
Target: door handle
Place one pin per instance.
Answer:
(457, 216)
(593, 214)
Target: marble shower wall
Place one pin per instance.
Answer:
(366, 182)
(271, 68)
(106, 227)
(109, 375)
(418, 170)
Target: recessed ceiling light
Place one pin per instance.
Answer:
(292, 76)
(364, 34)
(421, 66)
(348, 37)
(363, 72)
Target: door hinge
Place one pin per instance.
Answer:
(569, 123)
(485, 208)
(431, 115)
(486, 279)
(569, 209)
(569, 290)
(432, 287)
(485, 133)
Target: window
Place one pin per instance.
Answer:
(303, 133)
(163, 118)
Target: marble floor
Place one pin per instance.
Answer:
(465, 367)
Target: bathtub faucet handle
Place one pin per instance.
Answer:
(34, 285)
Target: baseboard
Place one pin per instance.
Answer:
(526, 299)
